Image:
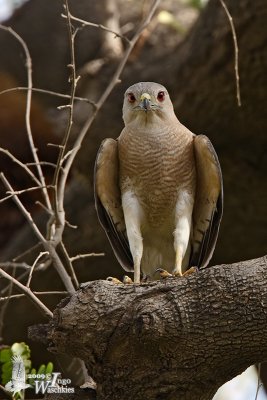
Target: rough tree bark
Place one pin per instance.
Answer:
(173, 339)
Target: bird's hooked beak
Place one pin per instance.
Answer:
(146, 103)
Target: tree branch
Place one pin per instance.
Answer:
(27, 291)
(162, 340)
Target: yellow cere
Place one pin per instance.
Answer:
(145, 96)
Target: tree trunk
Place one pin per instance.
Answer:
(180, 338)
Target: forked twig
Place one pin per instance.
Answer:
(24, 289)
(100, 26)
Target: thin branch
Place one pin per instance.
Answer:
(104, 96)
(34, 265)
(50, 92)
(11, 194)
(22, 288)
(79, 256)
(69, 264)
(28, 110)
(26, 252)
(21, 207)
(42, 267)
(58, 205)
(10, 264)
(4, 390)
(100, 26)
(49, 164)
(16, 296)
(21, 164)
(238, 96)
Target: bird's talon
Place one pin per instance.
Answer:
(163, 273)
(113, 280)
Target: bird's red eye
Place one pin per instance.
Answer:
(131, 98)
(161, 96)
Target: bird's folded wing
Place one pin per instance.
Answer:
(208, 207)
(108, 201)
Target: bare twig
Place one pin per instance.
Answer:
(21, 164)
(50, 92)
(26, 252)
(49, 164)
(22, 288)
(40, 255)
(58, 205)
(69, 264)
(238, 96)
(79, 256)
(4, 390)
(19, 278)
(16, 296)
(10, 264)
(26, 214)
(100, 26)
(11, 194)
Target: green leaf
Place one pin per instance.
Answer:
(41, 369)
(5, 355)
(7, 366)
(32, 380)
(49, 368)
(6, 372)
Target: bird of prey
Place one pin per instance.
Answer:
(18, 381)
(158, 188)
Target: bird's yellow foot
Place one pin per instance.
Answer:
(113, 280)
(190, 271)
(187, 272)
(126, 280)
(165, 274)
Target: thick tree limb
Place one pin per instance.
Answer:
(177, 338)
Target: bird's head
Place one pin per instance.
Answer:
(147, 101)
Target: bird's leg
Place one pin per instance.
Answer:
(177, 271)
(181, 233)
(132, 214)
(184, 207)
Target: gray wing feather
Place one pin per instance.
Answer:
(108, 201)
(208, 208)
